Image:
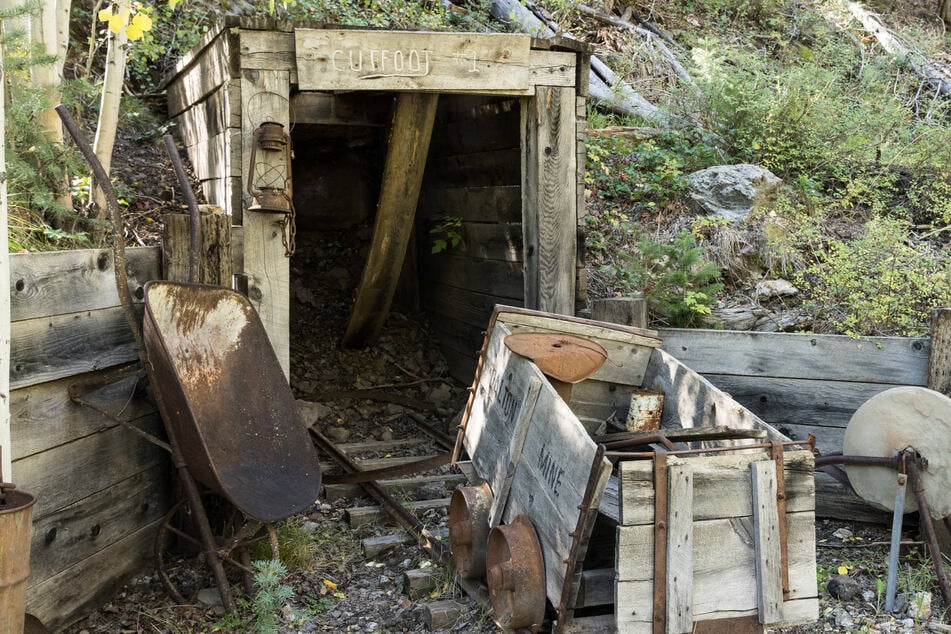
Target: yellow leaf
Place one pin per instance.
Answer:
(133, 32)
(142, 21)
(330, 584)
(340, 595)
(172, 4)
(843, 570)
(116, 24)
(105, 14)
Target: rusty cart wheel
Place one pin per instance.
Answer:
(515, 572)
(469, 529)
(186, 573)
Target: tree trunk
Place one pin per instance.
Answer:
(49, 30)
(944, 11)
(109, 107)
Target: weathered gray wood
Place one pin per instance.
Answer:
(421, 581)
(768, 552)
(489, 277)
(549, 217)
(74, 471)
(268, 50)
(360, 515)
(692, 401)
(49, 348)
(264, 97)
(597, 588)
(358, 109)
(70, 535)
(509, 460)
(679, 589)
(480, 204)
(939, 362)
(892, 360)
(402, 176)
(553, 68)
(487, 241)
(216, 156)
(603, 624)
(207, 70)
(444, 615)
(417, 62)
(725, 477)
(214, 248)
(43, 417)
(74, 592)
(336, 491)
(724, 559)
(499, 168)
(627, 311)
(220, 111)
(373, 546)
(60, 282)
(839, 501)
(468, 307)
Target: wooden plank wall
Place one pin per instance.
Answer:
(101, 490)
(474, 174)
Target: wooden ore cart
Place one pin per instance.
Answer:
(704, 524)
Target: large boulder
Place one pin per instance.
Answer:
(732, 191)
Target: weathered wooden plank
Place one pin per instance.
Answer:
(939, 364)
(402, 177)
(723, 481)
(839, 501)
(417, 62)
(597, 588)
(549, 217)
(489, 277)
(60, 282)
(210, 68)
(627, 311)
(692, 401)
(493, 130)
(468, 307)
(891, 360)
(74, 471)
(43, 417)
(217, 156)
(488, 203)
(357, 109)
(264, 97)
(83, 587)
(723, 585)
(75, 532)
(210, 117)
(487, 241)
(768, 552)
(361, 515)
(492, 168)
(680, 490)
(553, 68)
(214, 248)
(404, 485)
(268, 50)
(50, 348)
(469, 108)
(226, 193)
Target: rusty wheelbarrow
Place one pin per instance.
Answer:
(230, 416)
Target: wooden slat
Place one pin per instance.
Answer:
(462, 305)
(489, 277)
(549, 216)
(488, 203)
(891, 360)
(553, 68)
(417, 62)
(402, 176)
(264, 97)
(768, 553)
(839, 501)
(723, 585)
(87, 585)
(226, 193)
(480, 169)
(485, 241)
(362, 515)
(75, 532)
(468, 108)
(494, 130)
(337, 491)
(60, 282)
(49, 348)
(71, 472)
(357, 109)
(722, 484)
(217, 156)
(268, 50)
(212, 116)
(939, 367)
(679, 589)
(43, 417)
(211, 68)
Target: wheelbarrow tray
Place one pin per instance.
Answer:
(225, 400)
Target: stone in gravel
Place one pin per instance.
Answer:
(441, 393)
(338, 434)
(842, 618)
(209, 596)
(843, 587)
(900, 601)
(868, 596)
(842, 533)
(386, 434)
(919, 606)
(312, 412)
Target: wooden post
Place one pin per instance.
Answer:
(939, 361)
(402, 177)
(549, 202)
(769, 573)
(627, 311)
(264, 97)
(5, 439)
(214, 258)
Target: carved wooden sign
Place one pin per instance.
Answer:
(412, 61)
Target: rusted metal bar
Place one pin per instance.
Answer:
(195, 228)
(924, 514)
(578, 545)
(778, 456)
(893, 462)
(660, 542)
(648, 455)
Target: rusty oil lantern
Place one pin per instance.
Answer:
(269, 178)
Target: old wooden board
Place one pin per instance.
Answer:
(204, 72)
(416, 62)
(692, 401)
(402, 176)
(557, 456)
(489, 203)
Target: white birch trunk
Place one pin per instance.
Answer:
(111, 97)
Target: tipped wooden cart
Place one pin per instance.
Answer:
(705, 523)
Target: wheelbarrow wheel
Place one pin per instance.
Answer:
(183, 576)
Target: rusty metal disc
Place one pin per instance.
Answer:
(515, 573)
(892, 421)
(563, 357)
(469, 529)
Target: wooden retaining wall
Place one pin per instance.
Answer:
(101, 489)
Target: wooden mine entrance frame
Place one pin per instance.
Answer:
(551, 84)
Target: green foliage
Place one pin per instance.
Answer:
(881, 283)
(271, 595)
(176, 28)
(679, 284)
(446, 234)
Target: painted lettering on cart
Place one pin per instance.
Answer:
(551, 471)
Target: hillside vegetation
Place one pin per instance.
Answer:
(860, 227)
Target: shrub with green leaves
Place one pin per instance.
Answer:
(679, 284)
(272, 594)
(882, 283)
